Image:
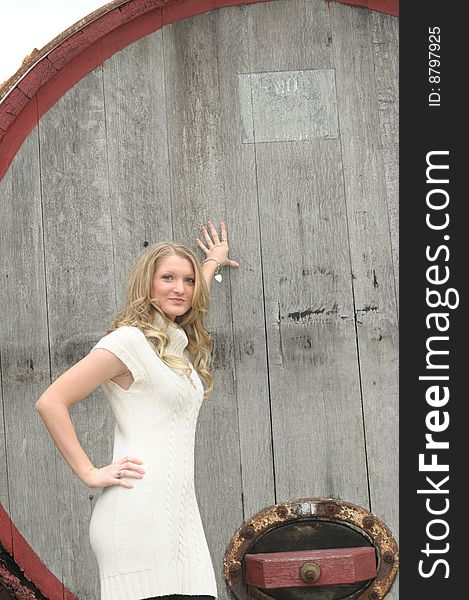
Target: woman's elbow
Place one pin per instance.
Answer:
(42, 403)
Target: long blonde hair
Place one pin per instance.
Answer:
(139, 311)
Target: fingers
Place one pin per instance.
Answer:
(131, 459)
(224, 234)
(130, 463)
(204, 248)
(212, 237)
(208, 239)
(127, 467)
(213, 231)
(123, 483)
(129, 472)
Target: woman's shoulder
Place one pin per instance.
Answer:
(123, 334)
(126, 343)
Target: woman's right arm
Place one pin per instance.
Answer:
(71, 387)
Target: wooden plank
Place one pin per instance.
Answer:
(371, 251)
(195, 131)
(385, 38)
(81, 294)
(32, 478)
(304, 248)
(289, 105)
(251, 386)
(139, 184)
(4, 496)
(287, 35)
(313, 368)
(336, 566)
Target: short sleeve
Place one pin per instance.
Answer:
(122, 343)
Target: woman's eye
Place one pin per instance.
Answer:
(189, 279)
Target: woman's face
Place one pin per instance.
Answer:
(173, 285)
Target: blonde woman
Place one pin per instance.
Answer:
(145, 530)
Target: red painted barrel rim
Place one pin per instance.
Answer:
(43, 78)
(48, 73)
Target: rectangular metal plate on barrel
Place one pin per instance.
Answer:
(304, 568)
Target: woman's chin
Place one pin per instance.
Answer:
(175, 311)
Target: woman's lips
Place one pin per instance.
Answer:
(177, 300)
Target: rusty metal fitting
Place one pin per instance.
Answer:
(388, 557)
(368, 522)
(282, 511)
(234, 569)
(248, 532)
(310, 512)
(310, 572)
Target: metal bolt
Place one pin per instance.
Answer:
(249, 532)
(373, 595)
(282, 511)
(234, 569)
(310, 572)
(331, 509)
(368, 522)
(388, 557)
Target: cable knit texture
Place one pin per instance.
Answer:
(149, 540)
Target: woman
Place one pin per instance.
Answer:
(146, 530)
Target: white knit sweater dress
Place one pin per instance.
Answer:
(149, 540)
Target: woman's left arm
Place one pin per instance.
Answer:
(217, 248)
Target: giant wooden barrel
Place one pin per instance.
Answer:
(277, 117)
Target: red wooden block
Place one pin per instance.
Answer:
(68, 49)
(139, 7)
(37, 77)
(28, 561)
(99, 28)
(14, 102)
(338, 565)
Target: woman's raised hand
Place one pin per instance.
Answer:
(126, 467)
(215, 246)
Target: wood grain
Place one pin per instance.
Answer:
(31, 458)
(371, 253)
(80, 294)
(279, 118)
(197, 194)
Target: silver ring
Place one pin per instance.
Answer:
(118, 474)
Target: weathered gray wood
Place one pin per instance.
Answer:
(286, 35)
(251, 384)
(80, 293)
(371, 251)
(32, 478)
(139, 184)
(195, 130)
(289, 105)
(313, 368)
(306, 266)
(385, 38)
(147, 149)
(4, 494)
